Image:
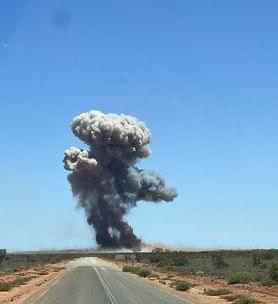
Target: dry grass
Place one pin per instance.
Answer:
(218, 292)
(240, 299)
(7, 286)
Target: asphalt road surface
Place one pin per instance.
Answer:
(92, 282)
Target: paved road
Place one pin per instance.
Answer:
(98, 284)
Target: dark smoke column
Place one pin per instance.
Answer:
(105, 178)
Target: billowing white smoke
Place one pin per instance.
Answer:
(105, 178)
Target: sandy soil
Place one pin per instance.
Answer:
(268, 295)
(264, 294)
(39, 276)
(254, 290)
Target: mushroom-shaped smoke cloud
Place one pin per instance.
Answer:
(105, 178)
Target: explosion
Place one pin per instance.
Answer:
(105, 178)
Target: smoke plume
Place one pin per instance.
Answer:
(105, 178)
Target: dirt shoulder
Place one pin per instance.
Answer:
(268, 295)
(202, 283)
(25, 283)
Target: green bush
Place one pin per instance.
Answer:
(182, 285)
(231, 298)
(144, 272)
(154, 275)
(42, 273)
(267, 281)
(239, 299)
(240, 278)
(274, 272)
(129, 268)
(245, 300)
(5, 286)
(218, 292)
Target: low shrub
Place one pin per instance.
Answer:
(57, 269)
(5, 286)
(43, 273)
(154, 275)
(182, 285)
(240, 278)
(144, 272)
(231, 298)
(218, 292)
(246, 300)
(273, 273)
(20, 281)
(240, 299)
(132, 269)
(267, 281)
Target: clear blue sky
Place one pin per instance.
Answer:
(201, 74)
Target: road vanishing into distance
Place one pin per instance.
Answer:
(91, 281)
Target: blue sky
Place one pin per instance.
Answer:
(201, 74)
